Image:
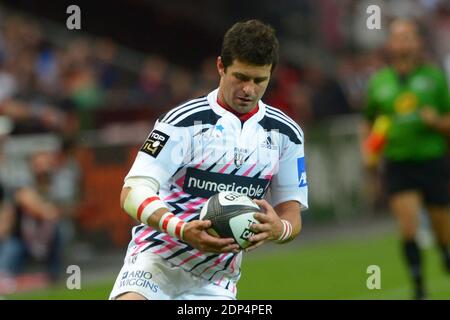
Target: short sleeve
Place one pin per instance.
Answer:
(290, 182)
(162, 153)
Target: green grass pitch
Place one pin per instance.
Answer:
(326, 270)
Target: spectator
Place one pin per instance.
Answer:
(152, 86)
(107, 73)
(65, 187)
(31, 223)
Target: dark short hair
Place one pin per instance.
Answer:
(252, 42)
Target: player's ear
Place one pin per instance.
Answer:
(220, 66)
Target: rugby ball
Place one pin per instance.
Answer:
(231, 214)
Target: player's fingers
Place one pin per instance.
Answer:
(204, 224)
(263, 204)
(207, 247)
(259, 237)
(261, 217)
(230, 248)
(267, 209)
(215, 242)
(254, 246)
(222, 249)
(260, 227)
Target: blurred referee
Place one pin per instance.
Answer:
(414, 96)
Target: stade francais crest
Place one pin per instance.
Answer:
(239, 156)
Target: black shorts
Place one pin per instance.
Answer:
(430, 178)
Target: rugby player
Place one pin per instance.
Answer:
(226, 140)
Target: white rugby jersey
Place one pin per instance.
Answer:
(198, 149)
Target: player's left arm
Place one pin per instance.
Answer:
(280, 220)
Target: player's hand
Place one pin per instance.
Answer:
(269, 228)
(195, 234)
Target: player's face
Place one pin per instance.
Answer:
(242, 84)
(404, 40)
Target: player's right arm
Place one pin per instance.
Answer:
(160, 156)
(193, 232)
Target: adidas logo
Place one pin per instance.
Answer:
(268, 144)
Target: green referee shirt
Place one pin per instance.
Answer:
(401, 98)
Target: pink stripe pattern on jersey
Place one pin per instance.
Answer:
(140, 240)
(175, 195)
(196, 255)
(269, 175)
(143, 234)
(201, 162)
(246, 173)
(219, 260)
(226, 166)
(170, 244)
(220, 280)
(180, 181)
(194, 206)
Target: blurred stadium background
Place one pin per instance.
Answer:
(88, 98)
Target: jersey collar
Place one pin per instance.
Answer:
(221, 111)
